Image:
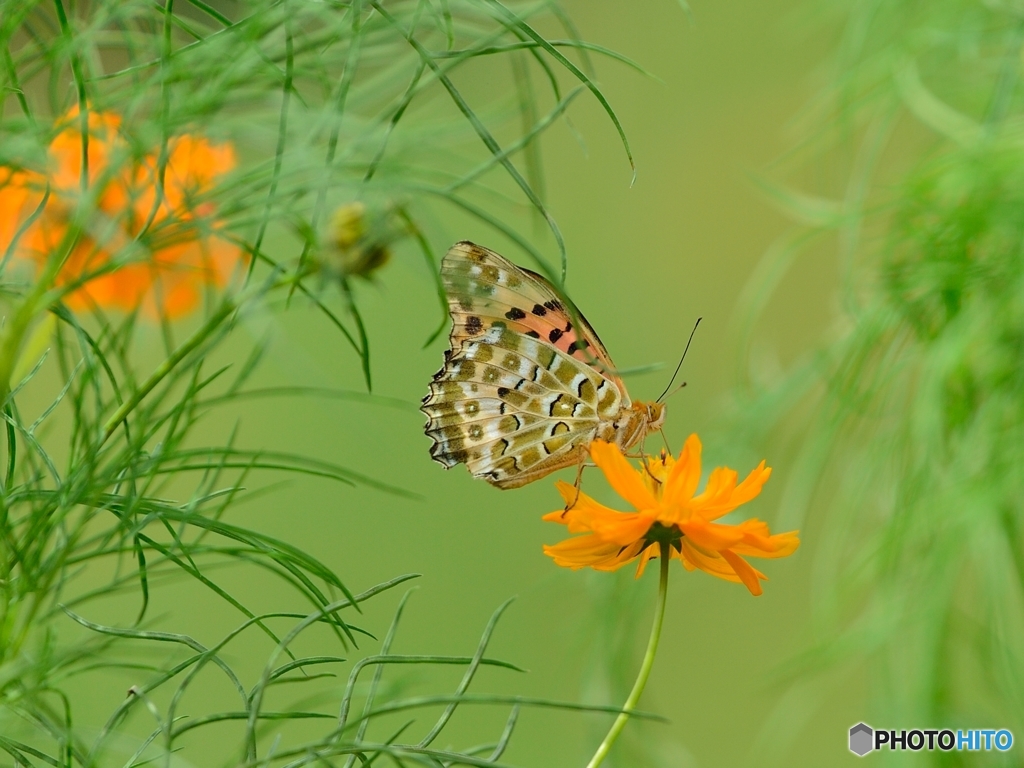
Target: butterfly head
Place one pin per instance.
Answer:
(643, 419)
(652, 413)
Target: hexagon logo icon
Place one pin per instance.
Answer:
(862, 739)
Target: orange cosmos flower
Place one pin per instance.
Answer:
(668, 510)
(165, 234)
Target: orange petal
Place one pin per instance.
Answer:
(759, 544)
(707, 561)
(223, 260)
(721, 484)
(747, 575)
(712, 536)
(570, 495)
(682, 481)
(622, 528)
(621, 558)
(590, 551)
(656, 471)
(685, 560)
(650, 552)
(586, 514)
(16, 193)
(66, 150)
(752, 484)
(626, 481)
(619, 528)
(724, 503)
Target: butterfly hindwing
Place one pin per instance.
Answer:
(513, 407)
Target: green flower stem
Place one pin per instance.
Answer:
(645, 667)
(14, 335)
(34, 303)
(18, 610)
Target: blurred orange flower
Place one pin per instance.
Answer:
(669, 511)
(149, 244)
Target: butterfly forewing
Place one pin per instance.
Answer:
(482, 286)
(514, 400)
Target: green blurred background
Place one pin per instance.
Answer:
(645, 262)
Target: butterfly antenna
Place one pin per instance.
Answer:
(675, 390)
(680, 365)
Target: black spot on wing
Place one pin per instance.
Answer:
(539, 310)
(515, 314)
(555, 335)
(533, 334)
(555, 405)
(474, 325)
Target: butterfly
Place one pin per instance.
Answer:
(526, 385)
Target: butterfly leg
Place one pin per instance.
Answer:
(640, 454)
(579, 480)
(664, 439)
(643, 455)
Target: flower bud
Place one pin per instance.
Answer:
(358, 242)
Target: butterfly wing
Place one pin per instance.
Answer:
(513, 408)
(483, 286)
(515, 400)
